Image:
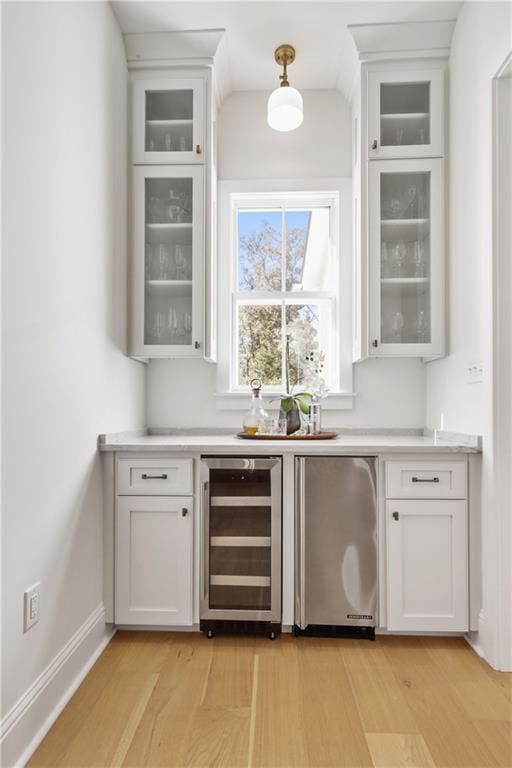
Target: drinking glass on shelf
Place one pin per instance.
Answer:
(411, 208)
(168, 142)
(422, 135)
(181, 261)
(385, 259)
(394, 208)
(399, 135)
(183, 143)
(396, 325)
(418, 258)
(154, 210)
(187, 322)
(159, 326)
(399, 256)
(422, 327)
(147, 261)
(163, 260)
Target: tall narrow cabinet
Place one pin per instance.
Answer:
(172, 213)
(399, 209)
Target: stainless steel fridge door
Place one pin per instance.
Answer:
(240, 583)
(335, 541)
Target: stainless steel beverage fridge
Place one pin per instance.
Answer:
(336, 546)
(241, 545)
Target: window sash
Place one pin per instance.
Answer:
(283, 300)
(284, 203)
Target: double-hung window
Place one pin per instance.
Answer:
(285, 289)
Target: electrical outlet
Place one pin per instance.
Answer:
(474, 372)
(31, 605)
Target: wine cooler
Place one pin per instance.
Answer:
(241, 545)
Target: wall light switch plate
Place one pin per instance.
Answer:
(31, 606)
(474, 372)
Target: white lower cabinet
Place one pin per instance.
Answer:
(154, 560)
(427, 565)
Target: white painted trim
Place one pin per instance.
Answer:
(502, 368)
(29, 720)
(286, 188)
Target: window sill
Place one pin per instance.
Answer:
(240, 401)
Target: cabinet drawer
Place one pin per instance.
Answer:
(425, 480)
(154, 477)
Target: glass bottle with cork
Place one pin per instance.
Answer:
(256, 412)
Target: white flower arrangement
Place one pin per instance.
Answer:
(313, 380)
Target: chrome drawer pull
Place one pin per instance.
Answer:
(154, 477)
(425, 479)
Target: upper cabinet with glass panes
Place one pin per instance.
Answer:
(405, 114)
(168, 121)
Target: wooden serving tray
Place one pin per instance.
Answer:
(320, 436)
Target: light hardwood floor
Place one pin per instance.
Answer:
(180, 700)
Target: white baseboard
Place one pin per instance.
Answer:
(29, 720)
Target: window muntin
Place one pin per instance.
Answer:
(285, 292)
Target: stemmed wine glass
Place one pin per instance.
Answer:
(398, 257)
(181, 262)
(418, 258)
(422, 327)
(396, 325)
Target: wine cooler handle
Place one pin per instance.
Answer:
(205, 535)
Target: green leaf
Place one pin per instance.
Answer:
(303, 394)
(303, 406)
(287, 404)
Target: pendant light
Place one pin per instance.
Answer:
(284, 111)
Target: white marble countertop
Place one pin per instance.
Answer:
(358, 444)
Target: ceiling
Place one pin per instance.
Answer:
(326, 55)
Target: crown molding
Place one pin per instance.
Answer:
(425, 39)
(187, 48)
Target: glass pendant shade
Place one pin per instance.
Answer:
(285, 111)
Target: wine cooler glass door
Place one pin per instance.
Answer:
(406, 243)
(241, 539)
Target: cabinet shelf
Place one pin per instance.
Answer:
(169, 122)
(240, 501)
(239, 581)
(170, 225)
(404, 280)
(405, 116)
(240, 541)
(404, 229)
(169, 287)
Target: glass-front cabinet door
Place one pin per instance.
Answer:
(405, 114)
(168, 238)
(406, 242)
(168, 121)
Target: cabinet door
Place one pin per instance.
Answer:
(427, 565)
(154, 561)
(406, 114)
(406, 258)
(168, 250)
(168, 121)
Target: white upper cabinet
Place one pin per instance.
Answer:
(168, 261)
(168, 120)
(405, 114)
(406, 268)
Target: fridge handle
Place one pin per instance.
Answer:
(300, 546)
(204, 540)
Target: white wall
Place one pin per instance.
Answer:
(65, 377)
(481, 40)
(181, 393)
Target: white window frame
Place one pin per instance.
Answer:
(235, 195)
